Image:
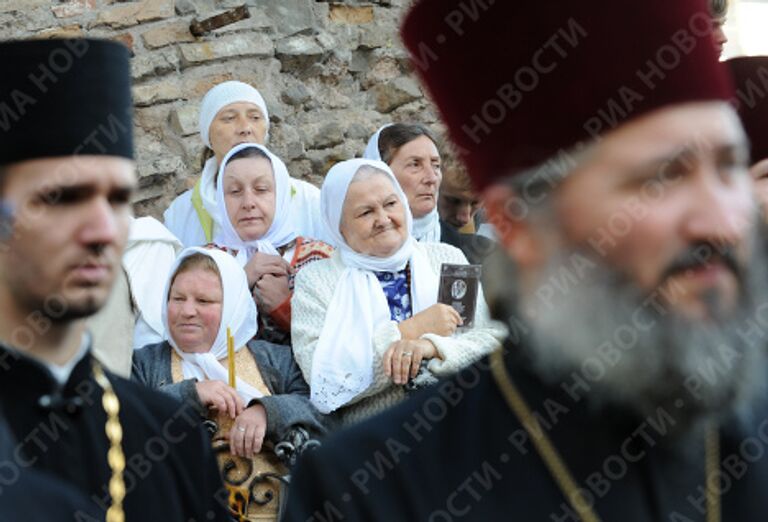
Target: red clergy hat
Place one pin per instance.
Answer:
(750, 76)
(520, 82)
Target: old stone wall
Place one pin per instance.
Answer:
(331, 73)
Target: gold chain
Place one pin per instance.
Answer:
(115, 455)
(713, 466)
(557, 466)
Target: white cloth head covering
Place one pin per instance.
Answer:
(222, 95)
(425, 228)
(150, 250)
(342, 364)
(372, 148)
(282, 229)
(238, 312)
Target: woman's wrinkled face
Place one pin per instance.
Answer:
(373, 220)
(249, 194)
(194, 309)
(416, 166)
(236, 123)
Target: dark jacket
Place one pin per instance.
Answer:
(287, 407)
(475, 247)
(60, 431)
(456, 452)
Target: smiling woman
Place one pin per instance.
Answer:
(367, 326)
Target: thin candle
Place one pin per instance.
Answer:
(231, 357)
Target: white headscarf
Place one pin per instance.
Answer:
(208, 189)
(425, 228)
(238, 312)
(149, 243)
(282, 229)
(342, 364)
(214, 100)
(372, 148)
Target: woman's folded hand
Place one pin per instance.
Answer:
(438, 319)
(247, 433)
(403, 358)
(220, 396)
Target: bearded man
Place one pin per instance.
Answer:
(632, 279)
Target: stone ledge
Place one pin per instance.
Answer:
(235, 46)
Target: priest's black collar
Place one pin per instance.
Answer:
(27, 379)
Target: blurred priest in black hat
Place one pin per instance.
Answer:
(66, 180)
(632, 278)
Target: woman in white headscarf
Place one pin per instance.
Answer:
(232, 113)
(207, 293)
(366, 319)
(257, 226)
(411, 152)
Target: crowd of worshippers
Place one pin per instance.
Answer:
(336, 286)
(277, 312)
(282, 311)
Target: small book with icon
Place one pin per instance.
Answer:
(459, 286)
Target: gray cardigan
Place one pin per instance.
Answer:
(286, 408)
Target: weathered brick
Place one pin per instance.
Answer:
(298, 46)
(126, 39)
(166, 34)
(154, 63)
(200, 87)
(391, 95)
(26, 5)
(65, 31)
(72, 8)
(133, 13)
(184, 120)
(161, 167)
(349, 14)
(235, 46)
(166, 90)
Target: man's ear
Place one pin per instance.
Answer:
(517, 235)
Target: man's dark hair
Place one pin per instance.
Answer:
(397, 135)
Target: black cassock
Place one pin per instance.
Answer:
(170, 474)
(456, 452)
(33, 495)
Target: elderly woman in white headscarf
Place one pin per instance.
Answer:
(206, 295)
(366, 322)
(254, 204)
(232, 113)
(411, 152)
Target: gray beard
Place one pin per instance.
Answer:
(632, 350)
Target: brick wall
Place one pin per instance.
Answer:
(331, 73)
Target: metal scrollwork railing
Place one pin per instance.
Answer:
(257, 486)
